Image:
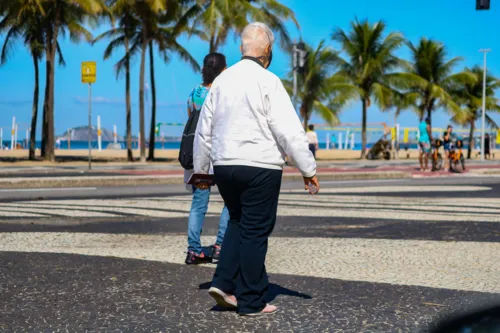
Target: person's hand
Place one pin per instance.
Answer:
(314, 182)
(202, 186)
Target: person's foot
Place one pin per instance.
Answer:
(216, 253)
(224, 300)
(196, 259)
(268, 310)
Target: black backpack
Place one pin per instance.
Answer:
(187, 142)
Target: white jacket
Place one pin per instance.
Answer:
(248, 119)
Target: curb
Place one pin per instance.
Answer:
(485, 172)
(114, 181)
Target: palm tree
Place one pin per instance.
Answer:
(370, 66)
(319, 91)
(159, 27)
(62, 17)
(401, 101)
(121, 36)
(147, 13)
(429, 63)
(218, 18)
(24, 18)
(164, 36)
(470, 96)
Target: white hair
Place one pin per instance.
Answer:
(255, 38)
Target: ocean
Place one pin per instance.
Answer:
(159, 145)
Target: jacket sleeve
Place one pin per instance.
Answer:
(203, 138)
(287, 129)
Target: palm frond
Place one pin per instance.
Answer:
(329, 114)
(60, 55)
(8, 43)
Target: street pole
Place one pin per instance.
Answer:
(483, 117)
(294, 63)
(90, 126)
(99, 137)
(15, 135)
(12, 139)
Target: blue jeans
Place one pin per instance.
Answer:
(199, 207)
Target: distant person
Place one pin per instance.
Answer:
(487, 146)
(213, 65)
(312, 138)
(58, 143)
(447, 143)
(424, 141)
(334, 141)
(247, 125)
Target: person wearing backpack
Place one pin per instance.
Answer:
(213, 65)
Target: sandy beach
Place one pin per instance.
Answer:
(77, 156)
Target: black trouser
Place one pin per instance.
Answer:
(251, 196)
(312, 148)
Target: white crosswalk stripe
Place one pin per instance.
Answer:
(464, 265)
(451, 265)
(345, 202)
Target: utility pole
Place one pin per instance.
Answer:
(294, 62)
(483, 116)
(89, 74)
(90, 126)
(299, 59)
(482, 4)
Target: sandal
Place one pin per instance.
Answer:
(268, 310)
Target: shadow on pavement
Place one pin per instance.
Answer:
(273, 292)
(290, 226)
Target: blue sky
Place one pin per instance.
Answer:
(454, 22)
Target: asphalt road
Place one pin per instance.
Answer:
(364, 256)
(160, 190)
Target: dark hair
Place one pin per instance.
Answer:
(311, 127)
(427, 120)
(449, 126)
(213, 65)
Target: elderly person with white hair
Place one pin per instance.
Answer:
(247, 126)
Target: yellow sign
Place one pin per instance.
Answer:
(393, 133)
(99, 132)
(89, 71)
(498, 138)
(406, 135)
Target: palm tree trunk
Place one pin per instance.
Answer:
(471, 138)
(46, 100)
(44, 131)
(305, 116)
(49, 149)
(363, 129)
(141, 100)
(128, 111)
(429, 115)
(46, 96)
(152, 132)
(34, 115)
(213, 47)
(49, 90)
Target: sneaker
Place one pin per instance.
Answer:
(216, 253)
(195, 259)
